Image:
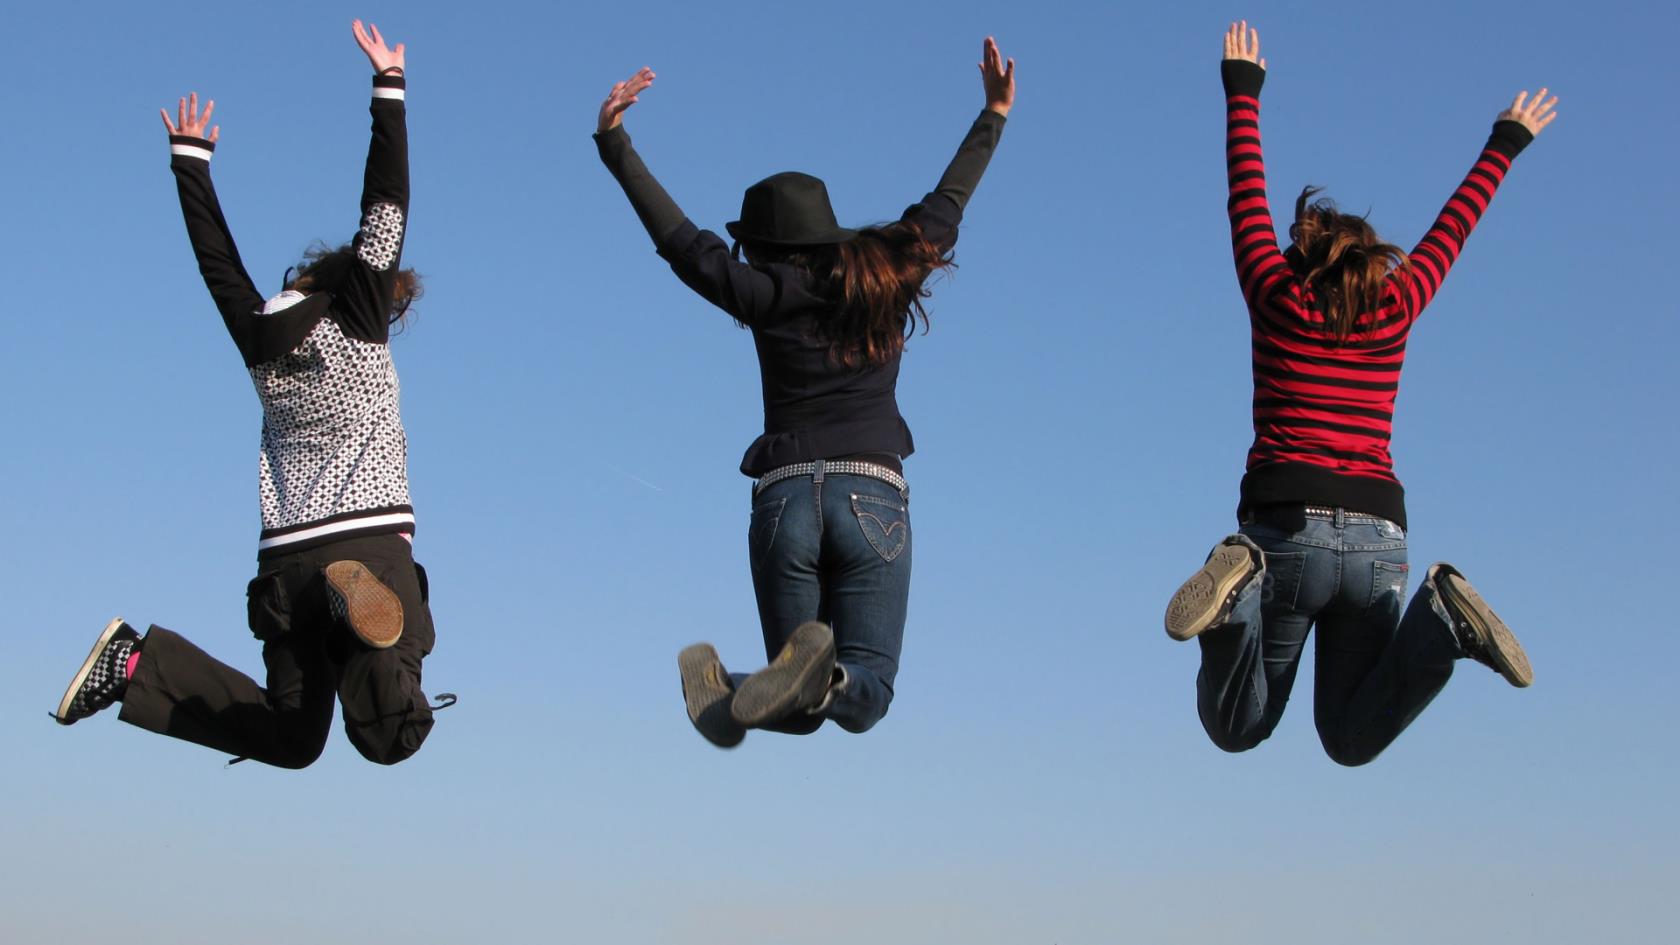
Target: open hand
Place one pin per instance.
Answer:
(1243, 42)
(998, 78)
(191, 122)
(623, 95)
(374, 45)
(1534, 114)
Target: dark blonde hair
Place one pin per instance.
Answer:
(878, 281)
(1339, 256)
(323, 269)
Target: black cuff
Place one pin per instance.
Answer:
(1509, 137)
(1241, 77)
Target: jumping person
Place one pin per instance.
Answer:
(830, 310)
(338, 602)
(1323, 538)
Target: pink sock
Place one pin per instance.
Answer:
(133, 661)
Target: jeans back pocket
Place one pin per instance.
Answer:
(885, 524)
(761, 532)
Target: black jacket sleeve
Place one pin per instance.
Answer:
(940, 212)
(962, 176)
(362, 305)
(659, 214)
(224, 274)
(700, 258)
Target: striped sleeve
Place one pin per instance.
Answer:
(1439, 248)
(1264, 274)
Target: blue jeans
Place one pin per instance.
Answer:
(835, 548)
(1376, 670)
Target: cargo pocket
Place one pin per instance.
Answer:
(268, 608)
(885, 524)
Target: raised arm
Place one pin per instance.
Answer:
(364, 303)
(1262, 271)
(659, 214)
(1438, 250)
(962, 176)
(224, 274)
(700, 258)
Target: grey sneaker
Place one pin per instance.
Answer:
(708, 690)
(796, 680)
(360, 601)
(1481, 634)
(103, 677)
(1205, 599)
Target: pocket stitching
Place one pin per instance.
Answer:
(885, 529)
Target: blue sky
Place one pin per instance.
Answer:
(1081, 411)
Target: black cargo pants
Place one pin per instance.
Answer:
(181, 691)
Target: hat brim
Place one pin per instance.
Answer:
(839, 234)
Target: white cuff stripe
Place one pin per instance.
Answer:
(380, 91)
(393, 518)
(187, 150)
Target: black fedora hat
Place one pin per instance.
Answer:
(788, 209)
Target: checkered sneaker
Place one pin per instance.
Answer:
(103, 676)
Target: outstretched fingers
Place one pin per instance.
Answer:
(1534, 114)
(997, 76)
(372, 44)
(1243, 42)
(623, 95)
(188, 119)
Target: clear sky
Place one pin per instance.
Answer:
(1081, 411)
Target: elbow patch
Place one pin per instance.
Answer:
(381, 236)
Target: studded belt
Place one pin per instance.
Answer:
(834, 467)
(1325, 511)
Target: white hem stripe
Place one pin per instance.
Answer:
(188, 150)
(383, 92)
(333, 528)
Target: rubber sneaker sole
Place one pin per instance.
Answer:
(798, 677)
(1499, 647)
(1200, 602)
(80, 679)
(372, 611)
(707, 692)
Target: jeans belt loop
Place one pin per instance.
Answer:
(1341, 517)
(817, 473)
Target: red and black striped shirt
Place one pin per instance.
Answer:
(1323, 409)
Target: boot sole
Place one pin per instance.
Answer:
(373, 611)
(1498, 641)
(76, 683)
(1200, 601)
(707, 698)
(805, 664)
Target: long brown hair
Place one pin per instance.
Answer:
(1339, 256)
(323, 269)
(878, 280)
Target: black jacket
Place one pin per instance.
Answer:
(814, 407)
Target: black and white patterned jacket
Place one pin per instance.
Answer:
(334, 455)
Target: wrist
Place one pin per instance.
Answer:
(999, 108)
